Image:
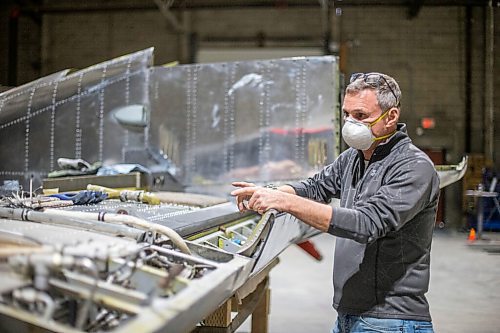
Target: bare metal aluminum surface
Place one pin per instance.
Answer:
(203, 127)
(146, 308)
(145, 303)
(52, 234)
(185, 220)
(205, 124)
(153, 213)
(70, 116)
(257, 120)
(449, 174)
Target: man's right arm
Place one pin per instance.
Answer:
(261, 199)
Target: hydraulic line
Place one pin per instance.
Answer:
(84, 311)
(49, 215)
(31, 295)
(128, 220)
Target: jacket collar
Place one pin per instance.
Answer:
(381, 151)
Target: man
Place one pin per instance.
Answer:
(388, 192)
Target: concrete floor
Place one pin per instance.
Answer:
(464, 293)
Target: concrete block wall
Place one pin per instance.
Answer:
(81, 39)
(496, 88)
(28, 39)
(4, 42)
(78, 40)
(285, 22)
(28, 59)
(425, 55)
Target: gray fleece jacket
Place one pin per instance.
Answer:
(384, 226)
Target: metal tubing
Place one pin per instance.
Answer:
(128, 220)
(40, 217)
(84, 311)
(31, 295)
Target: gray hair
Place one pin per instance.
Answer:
(385, 96)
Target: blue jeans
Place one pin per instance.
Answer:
(358, 324)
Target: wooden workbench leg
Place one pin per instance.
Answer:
(260, 318)
(220, 317)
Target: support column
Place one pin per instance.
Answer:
(489, 121)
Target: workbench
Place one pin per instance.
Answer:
(252, 298)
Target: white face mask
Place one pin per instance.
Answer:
(358, 134)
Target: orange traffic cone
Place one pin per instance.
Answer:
(472, 235)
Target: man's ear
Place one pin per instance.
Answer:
(392, 117)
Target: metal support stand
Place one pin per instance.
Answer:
(479, 195)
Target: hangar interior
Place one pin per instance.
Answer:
(196, 94)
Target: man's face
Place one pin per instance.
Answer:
(364, 107)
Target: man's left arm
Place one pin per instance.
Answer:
(410, 187)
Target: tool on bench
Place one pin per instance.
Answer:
(127, 195)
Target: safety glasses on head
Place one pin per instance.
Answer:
(375, 80)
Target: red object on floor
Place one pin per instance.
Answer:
(472, 235)
(309, 247)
